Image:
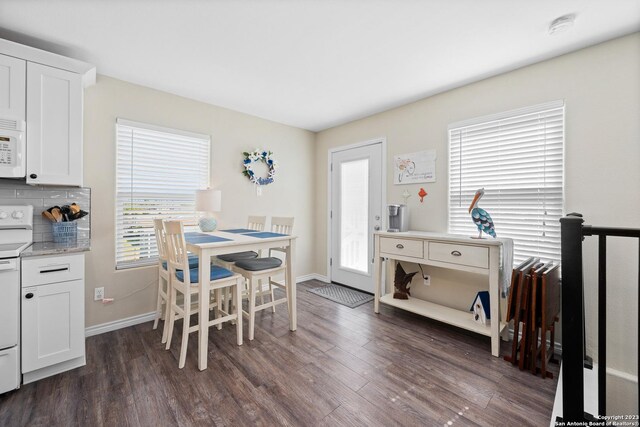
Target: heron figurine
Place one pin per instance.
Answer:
(481, 218)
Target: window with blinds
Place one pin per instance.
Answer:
(158, 171)
(517, 157)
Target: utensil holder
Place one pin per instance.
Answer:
(65, 232)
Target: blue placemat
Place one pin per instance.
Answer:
(265, 234)
(239, 230)
(203, 238)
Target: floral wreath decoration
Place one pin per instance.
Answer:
(259, 156)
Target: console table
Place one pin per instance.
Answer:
(481, 256)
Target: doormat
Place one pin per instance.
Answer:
(345, 296)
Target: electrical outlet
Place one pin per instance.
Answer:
(427, 280)
(98, 294)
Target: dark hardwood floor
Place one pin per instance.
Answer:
(341, 367)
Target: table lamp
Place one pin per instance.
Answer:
(208, 201)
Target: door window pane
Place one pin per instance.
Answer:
(354, 213)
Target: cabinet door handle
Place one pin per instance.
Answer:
(400, 246)
(33, 176)
(29, 295)
(54, 270)
(456, 253)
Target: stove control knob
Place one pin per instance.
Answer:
(3, 215)
(17, 214)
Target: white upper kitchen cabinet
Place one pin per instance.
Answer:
(54, 126)
(45, 90)
(12, 88)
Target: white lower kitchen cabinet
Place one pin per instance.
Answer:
(53, 337)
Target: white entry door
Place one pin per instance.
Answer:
(356, 212)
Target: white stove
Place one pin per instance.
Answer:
(16, 230)
(12, 250)
(16, 234)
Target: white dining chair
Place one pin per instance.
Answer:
(163, 277)
(258, 271)
(281, 225)
(255, 271)
(184, 279)
(255, 223)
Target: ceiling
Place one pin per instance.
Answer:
(309, 63)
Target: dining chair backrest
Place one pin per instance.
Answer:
(282, 225)
(161, 240)
(178, 258)
(256, 223)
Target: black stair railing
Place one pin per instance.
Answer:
(574, 357)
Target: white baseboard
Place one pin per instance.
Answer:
(313, 276)
(47, 371)
(148, 317)
(119, 324)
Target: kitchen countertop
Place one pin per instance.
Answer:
(51, 248)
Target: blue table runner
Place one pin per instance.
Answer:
(203, 238)
(265, 234)
(239, 230)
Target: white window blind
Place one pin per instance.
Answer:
(158, 171)
(518, 158)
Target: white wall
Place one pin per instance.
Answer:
(231, 133)
(601, 88)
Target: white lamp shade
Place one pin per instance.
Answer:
(208, 200)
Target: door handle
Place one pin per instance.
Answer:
(400, 246)
(456, 253)
(377, 228)
(29, 295)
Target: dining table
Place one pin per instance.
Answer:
(227, 241)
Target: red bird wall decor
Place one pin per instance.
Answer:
(422, 194)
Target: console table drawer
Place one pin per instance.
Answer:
(405, 247)
(472, 256)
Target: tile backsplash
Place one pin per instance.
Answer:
(13, 192)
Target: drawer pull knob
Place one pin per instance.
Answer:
(29, 295)
(400, 246)
(456, 253)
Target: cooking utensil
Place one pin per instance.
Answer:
(55, 212)
(74, 208)
(79, 215)
(65, 210)
(48, 215)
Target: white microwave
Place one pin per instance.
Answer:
(12, 148)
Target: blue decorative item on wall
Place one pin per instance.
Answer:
(251, 158)
(481, 218)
